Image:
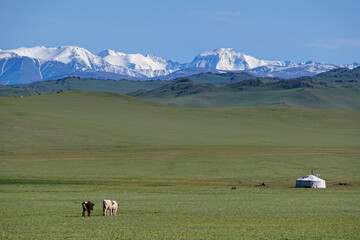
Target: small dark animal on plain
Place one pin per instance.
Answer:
(233, 188)
(344, 183)
(87, 206)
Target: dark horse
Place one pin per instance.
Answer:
(87, 206)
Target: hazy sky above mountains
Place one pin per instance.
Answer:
(324, 31)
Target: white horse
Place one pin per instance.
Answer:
(110, 207)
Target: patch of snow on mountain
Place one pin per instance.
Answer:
(149, 65)
(350, 66)
(64, 54)
(302, 69)
(134, 61)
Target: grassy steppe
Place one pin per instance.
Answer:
(172, 169)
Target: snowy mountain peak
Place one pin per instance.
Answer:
(229, 59)
(137, 61)
(109, 52)
(41, 63)
(64, 54)
(219, 51)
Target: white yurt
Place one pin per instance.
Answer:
(310, 181)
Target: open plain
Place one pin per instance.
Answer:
(172, 169)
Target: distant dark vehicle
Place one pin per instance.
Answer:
(87, 206)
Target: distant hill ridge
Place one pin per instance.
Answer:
(339, 88)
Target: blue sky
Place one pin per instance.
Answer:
(325, 31)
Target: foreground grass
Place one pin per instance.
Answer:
(54, 212)
(172, 170)
(180, 197)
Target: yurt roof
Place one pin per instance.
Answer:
(310, 178)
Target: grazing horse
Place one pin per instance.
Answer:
(115, 207)
(87, 206)
(110, 207)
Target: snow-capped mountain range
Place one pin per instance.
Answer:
(25, 65)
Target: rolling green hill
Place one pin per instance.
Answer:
(336, 89)
(339, 75)
(70, 120)
(221, 78)
(75, 83)
(115, 86)
(303, 92)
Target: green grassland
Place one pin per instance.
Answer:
(172, 169)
